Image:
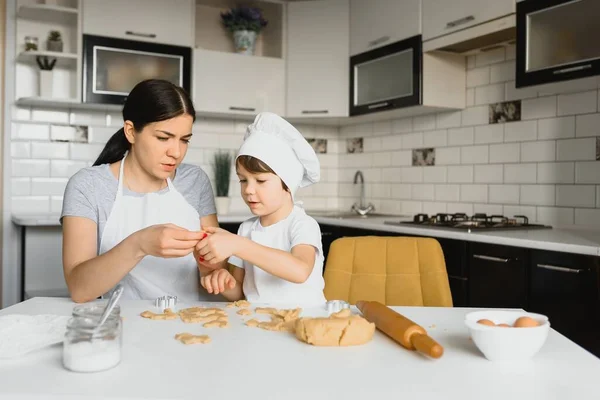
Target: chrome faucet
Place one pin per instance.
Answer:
(361, 208)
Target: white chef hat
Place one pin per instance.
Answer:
(274, 141)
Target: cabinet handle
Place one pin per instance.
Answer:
(377, 41)
(561, 269)
(490, 258)
(242, 109)
(460, 21)
(148, 35)
(572, 69)
(315, 111)
(379, 105)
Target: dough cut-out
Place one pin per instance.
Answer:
(188, 338)
(239, 304)
(167, 314)
(336, 330)
(281, 320)
(200, 314)
(244, 311)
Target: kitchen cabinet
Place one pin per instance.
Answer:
(376, 23)
(317, 59)
(565, 287)
(440, 18)
(455, 257)
(142, 20)
(497, 276)
(230, 84)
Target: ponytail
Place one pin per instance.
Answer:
(115, 149)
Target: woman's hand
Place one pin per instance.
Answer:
(167, 241)
(218, 281)
(216, 247)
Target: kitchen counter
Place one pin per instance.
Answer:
(242, 362)
(573, 240)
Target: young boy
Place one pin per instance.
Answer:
(277, 255)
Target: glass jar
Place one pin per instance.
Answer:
(31, 43)
(95, 310)
(88, 350)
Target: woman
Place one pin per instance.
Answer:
(135, 216)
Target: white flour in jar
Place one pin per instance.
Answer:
(86, 356)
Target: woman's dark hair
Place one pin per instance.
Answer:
(149, 101)
(256, 166)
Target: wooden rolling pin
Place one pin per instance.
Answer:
(400, 328)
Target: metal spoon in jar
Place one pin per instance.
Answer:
(112, 302)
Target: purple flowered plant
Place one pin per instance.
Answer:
(244, 18)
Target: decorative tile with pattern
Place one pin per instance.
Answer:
(354, 145)
(507, 111)
(319, 145)
(422, 157)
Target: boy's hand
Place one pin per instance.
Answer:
(218, 281)
(216, 247)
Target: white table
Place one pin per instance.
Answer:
(251, 363)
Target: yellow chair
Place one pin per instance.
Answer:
(396, 271)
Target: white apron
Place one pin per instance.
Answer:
(154, 276)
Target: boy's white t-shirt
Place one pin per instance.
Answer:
(262, 287)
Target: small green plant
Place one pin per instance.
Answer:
(222, 168)
(45, 63)
(54, 36)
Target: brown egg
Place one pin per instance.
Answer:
(503, 325)
(486, 322)
(525, 322)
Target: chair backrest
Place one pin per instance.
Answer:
(396, 271)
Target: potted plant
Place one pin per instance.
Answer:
(46, 76)
(222, 168)
(245, 23)
(54, 42)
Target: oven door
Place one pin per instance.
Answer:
(112, 67)
(387, 77)
(557, 40)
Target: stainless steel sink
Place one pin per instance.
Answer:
(351, 215)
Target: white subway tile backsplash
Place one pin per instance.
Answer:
(490, 57)
(470, 101)
(379, 190)
(432, 207)
(391, 142)
(20, 149)
(196, 157)
(504, 194)
(32, 168)
(466, 208)
(528, 211)
(382, 128)
(587, 172)
(538, 151)
(543, 107)
(570, 86)
(460, 174)
(478, 115)
(489, 174)
(50, 150)
(30, 204)
(80, 117)
(435, 174)
(20, 186)
(85, 152)
(401, 191)
(555, 215)
(63, 168)
(460, 136)
(520, 173)
(489, 209)
(587, 125)
(470, 62)
(47, 115)
(559, 172)
(56, 203)
(209, 125)
(447, 192)
(493, 133)
(330, 189)
(578, 103)
(391, 175)
(556, 128)
(25, 131)
(489, 94)
(520, 131)
(422, 192)
(64, 133)
(371, 144)
(230, 141)
(511, 52)
(412, 174)
(412, 140)
(48, 186)
(21, 113)
(474, 193)
(587, 217)
(402, 125)
(447, 155)
(503, 72)
(382, 159)
(474, 154)
(437, 138)
(598, 196)
(448, 120)
(512, 93)
(539, 195)
(576, 149)
(114, 119)
(401, 158)
(576, 195)
(478, 77)
(412, 207)
(505, 153)
(424, 122)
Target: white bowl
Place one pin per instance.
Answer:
(507, 344)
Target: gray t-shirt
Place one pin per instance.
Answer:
(91, 192)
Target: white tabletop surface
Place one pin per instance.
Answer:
(251, 363)
(578, 240)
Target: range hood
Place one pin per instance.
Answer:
(477, 39)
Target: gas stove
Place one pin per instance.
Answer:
(476, 222)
